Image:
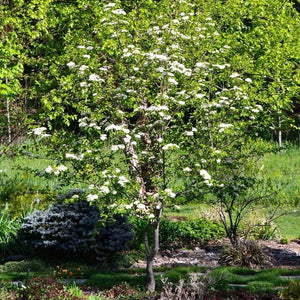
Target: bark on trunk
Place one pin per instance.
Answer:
(150, 281)
(279, 133)
(8, 118)
(151, 251)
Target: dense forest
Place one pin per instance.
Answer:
(140, 105)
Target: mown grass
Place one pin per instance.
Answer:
(288, 226)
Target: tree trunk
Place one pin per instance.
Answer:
(8, 118)
(279, 133)
(151, 251)
(150, 281)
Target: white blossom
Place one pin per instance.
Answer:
(234, 75)
(119, 12)
(104, 189)
(49, 169)
(103, 137)
(92, 197)
(160, 57)
(172, 81)
(200, 96)
(170, 193)
(117, 147)
(123, 180)
(71, 65)
(82, 68)
(223, 125)
(187, 169)
(157, 108)
(128, 206)
(205, 174)
(127, 139)
(110, 5)
(121, 127)
(201, 64)
(39, 130)
(189, 133)
(73, 156)
(61, 168)
(166, 147)
(95, 77)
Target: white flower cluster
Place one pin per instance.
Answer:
(56, 170)
(140, 209)
(123, 180)
(117, 147)
(121, 127)
(155, 56)
(71, 65)
(74, 156)
(206, 177)
(86, 123)
(92, 197)
(170, 193)
(221, 67)
(224, 126)
(168, 146)
(95, 77)
(39, 132)
(175, 66)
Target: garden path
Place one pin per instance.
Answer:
(283, 255)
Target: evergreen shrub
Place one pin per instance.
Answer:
(76, 230)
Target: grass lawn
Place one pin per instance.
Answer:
(288, 226)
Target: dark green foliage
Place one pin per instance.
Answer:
(189, 232)
(183, 233)
(74, 229)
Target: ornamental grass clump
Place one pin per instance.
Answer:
(245, 254)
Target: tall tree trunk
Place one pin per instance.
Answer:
(8, 116)
(279, 133)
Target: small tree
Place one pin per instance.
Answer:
(149, 106)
